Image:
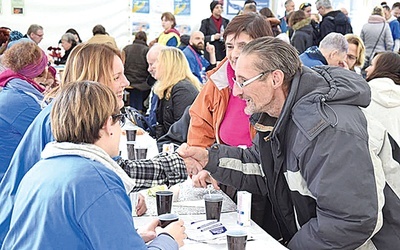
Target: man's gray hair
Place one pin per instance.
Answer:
(288, 2)
(34, 28)
(334, 41)
(274, 54)
(323, 3)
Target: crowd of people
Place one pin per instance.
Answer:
(301, 113)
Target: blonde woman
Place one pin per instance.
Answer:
(94, 62)
(356, 52)
(79, 200)
(176, 87)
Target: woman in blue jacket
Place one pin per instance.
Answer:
(79, 200)
(96, 62)
(21, 96)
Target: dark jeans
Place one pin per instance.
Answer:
(137, 97)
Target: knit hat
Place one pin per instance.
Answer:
(15, 35)
(213, 4)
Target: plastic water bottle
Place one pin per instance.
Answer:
(222, 33)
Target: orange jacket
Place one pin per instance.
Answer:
(208, 109)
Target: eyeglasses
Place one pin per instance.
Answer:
(304, 5)
(119, 117)
(351, 57)
(245, 83)
(39, 35)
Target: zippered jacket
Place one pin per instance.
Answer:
(327, 167)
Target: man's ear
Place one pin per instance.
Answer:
(277, 78)
(333, 53)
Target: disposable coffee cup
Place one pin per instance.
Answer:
(236, 239)
(164, 202)
(131, 135)
(130, 149)
(213, 204)
(141, 153)
(166, 219)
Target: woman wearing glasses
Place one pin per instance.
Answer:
(94, 62)
(75, 196)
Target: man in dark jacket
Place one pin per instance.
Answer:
(327, 167)
(332, 20)
(136, 71)
(213, 30)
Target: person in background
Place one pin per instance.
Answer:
(21, 97)
(355, 53)
(396, 10)
(383, 76)
(249, 8)
(218, 116)
(184, 41)
(4, 38)
(326, 166)
(68, 43)
(35, 33)
(194, 55)
(151, 58)
(170, 36)
(315, 17)
(213, 30)
(332, 20)
(76, 35)
(303, 32)
(289, 7)
(136, 71)
(74, 198)
(331, 51)
(101, 36)
(276, 29)
(176, 87)
(306, 7)
(393, 24)
(376, 36)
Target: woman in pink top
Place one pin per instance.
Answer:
(218, 116)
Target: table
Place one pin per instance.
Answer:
(188, 200)
(189, 204)
(259, 238)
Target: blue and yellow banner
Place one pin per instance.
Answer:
(141, 6)
(182, 7)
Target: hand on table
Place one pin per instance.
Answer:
(141, 207)
(203, 178)
(148, 233)
(195, 158)
(176, 230)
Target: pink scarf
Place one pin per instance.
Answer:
(27, 73)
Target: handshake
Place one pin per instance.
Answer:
(196, 158)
